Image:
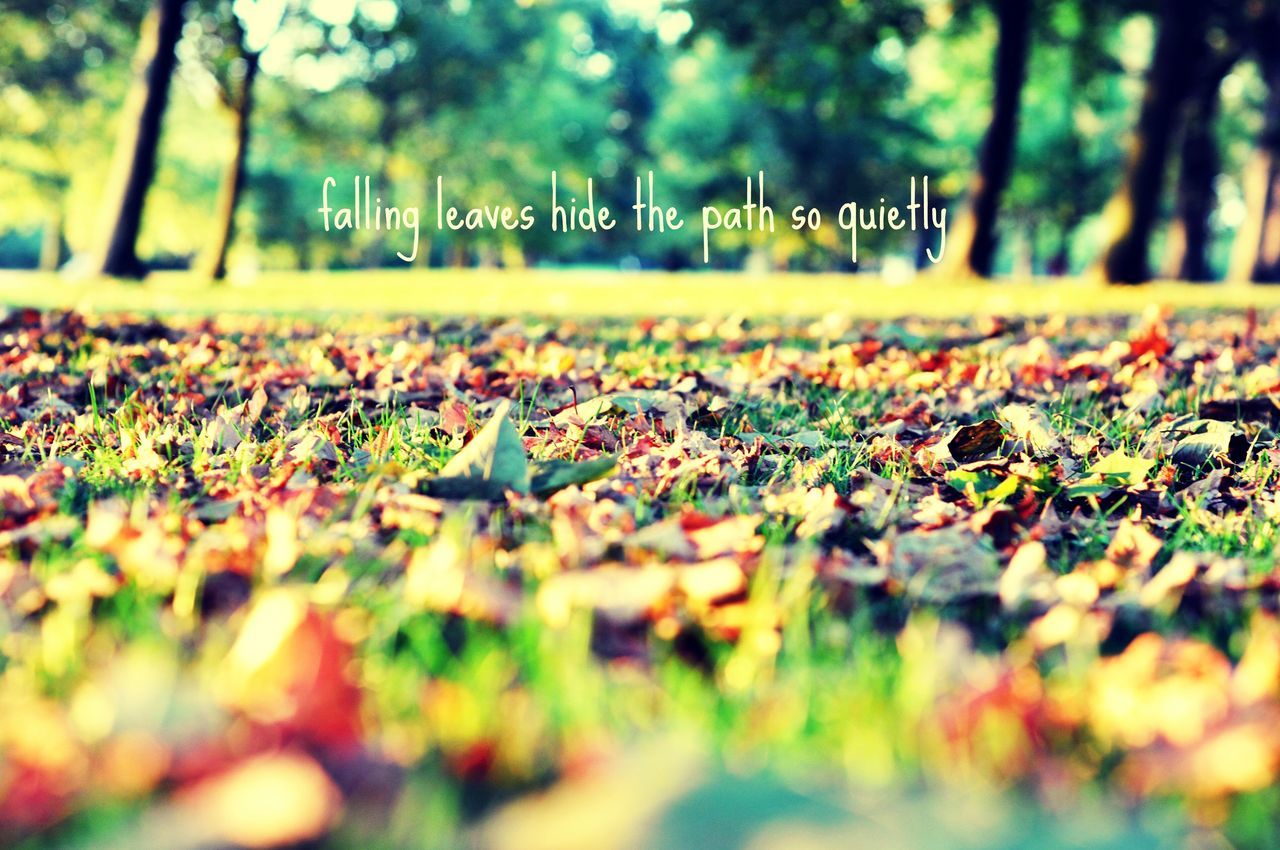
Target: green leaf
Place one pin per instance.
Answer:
(492, 463)
(550, 476)
(1087, 488)
(983, 486)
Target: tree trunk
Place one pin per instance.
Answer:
(1259, 183)
(233, 181)
(51, 241)
(1255, 254)
(1266, 257)
(1060, 263)
(388, 131)
(976, 248)
(1188, 255)
(134, 162)
(1133, 212)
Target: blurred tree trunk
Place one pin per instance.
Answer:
(1255, 254)
(1026, 260)
(134, 162)
(51, 240)
(1133, 211)
(305, 261)
(976, 246)
(388, 132)
(1259, 183)
(233, 181)
(1188, 252)
(459, 256)
(1060, 263)
(1263, 262)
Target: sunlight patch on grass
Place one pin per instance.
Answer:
(590, 292)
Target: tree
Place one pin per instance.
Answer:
(1074, 108)
(1256, 253)
(234, 64)
(975, 242)
(134, 162)
(827, 79)
(233, 182)
(51, 61)
(1198, 166)
(1132, 214)
(434, 55)
(855, 30)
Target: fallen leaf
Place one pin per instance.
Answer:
(1028, 577)
(971, 442)
(1260, 409)
(549, 476)
(492, 463)
(941, 566)
(1031, 425)
(1128, 469)
(269, 800)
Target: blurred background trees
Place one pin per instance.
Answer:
(1129, 138)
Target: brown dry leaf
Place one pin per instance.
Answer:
(1164, 589)
(1031, 425)
(1028, 578)
(624, 594)
(1192, 724)
(283, 546)
(971, 442)
(822, 511)
(1240, 754)
(705, 583)
(630, 594)
(15, 498)
(727, 535)
(290, 669)
(440, 577)
(1260, 409)
(1133, 547)
(1159, 691)
(666, 537)
(1257, 676)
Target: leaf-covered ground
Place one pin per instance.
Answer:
(382, 583)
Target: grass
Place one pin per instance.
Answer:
(587, 292)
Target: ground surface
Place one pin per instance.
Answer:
(271, 578)
(588, 293)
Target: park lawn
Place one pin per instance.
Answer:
(608, 293)
(272, 575)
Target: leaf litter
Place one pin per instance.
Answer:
(454, 547)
